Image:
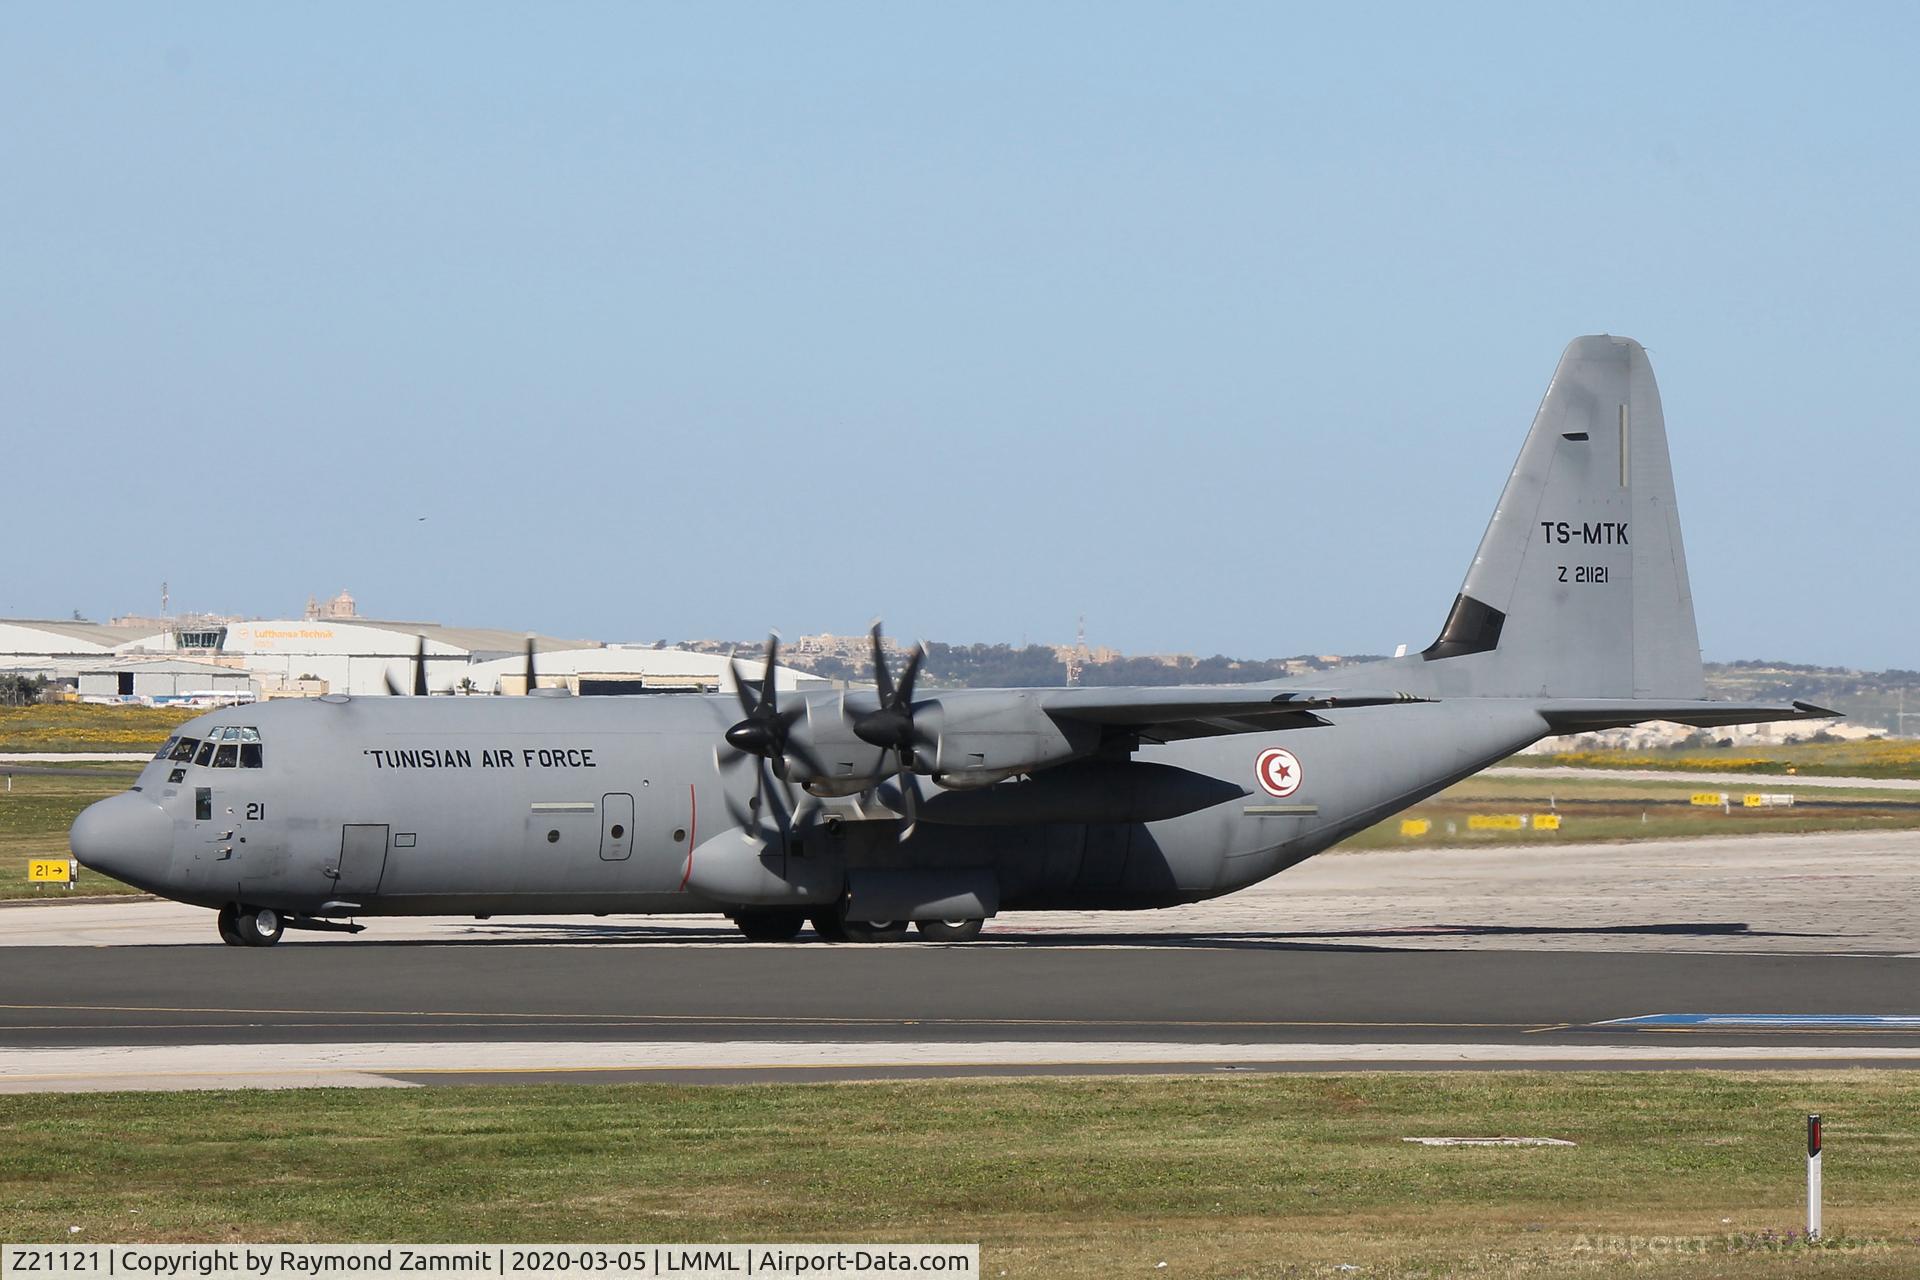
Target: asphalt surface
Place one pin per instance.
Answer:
(1464, 958)
(1162, 991)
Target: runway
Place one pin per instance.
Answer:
(438, 1013)
(1470, 958)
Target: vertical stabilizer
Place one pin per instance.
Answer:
(1579, 589)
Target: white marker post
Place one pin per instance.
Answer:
(1813, 1178)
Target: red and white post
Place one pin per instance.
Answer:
(1813, 1178)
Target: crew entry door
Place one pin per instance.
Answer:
(616, 827)
(363, 860)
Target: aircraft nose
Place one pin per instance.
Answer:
(126, 836)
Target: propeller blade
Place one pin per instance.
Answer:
(909, 799)
(890, 726)
(912, 673)
(882, 680)
(529, 663)
(393, 686)
(740, 686)
(806, 814)
(767, 680)
(419, 666)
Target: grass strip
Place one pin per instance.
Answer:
(1276, 1175)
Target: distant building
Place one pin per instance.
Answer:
(56, 651)
(354, 656)
(161, 680)
(341, 606)
(618, 669)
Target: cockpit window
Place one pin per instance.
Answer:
(166, 747)
(226, 746)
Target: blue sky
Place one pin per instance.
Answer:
(1219, 324)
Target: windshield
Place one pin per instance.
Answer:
(231, 746)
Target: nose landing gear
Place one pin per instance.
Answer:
(244, 926)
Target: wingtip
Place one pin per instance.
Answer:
(1811, 711)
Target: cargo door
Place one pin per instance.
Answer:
(363, 861)
(616, 827)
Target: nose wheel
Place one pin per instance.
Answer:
(243, 926)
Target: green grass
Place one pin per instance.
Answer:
(1880, 758)
(75, 726)
(35, 815)
(1603, 808)
(1240, 1176)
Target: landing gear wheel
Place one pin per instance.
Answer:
(875, 930)
(950, 930)
(829, 927)
(229, 929)
(769, 926)
(258, 926)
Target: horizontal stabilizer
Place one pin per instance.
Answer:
(1585, 715)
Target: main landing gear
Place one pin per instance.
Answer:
(769, 926)
(243, 926)
(778, 925)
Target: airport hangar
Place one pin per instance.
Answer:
(307, 657)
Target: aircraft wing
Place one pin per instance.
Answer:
(1582, 715)
(1200, 711)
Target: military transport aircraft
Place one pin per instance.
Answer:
(869, 811)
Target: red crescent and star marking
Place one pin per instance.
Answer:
(1278, 772)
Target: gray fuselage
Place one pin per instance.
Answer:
(400, 806)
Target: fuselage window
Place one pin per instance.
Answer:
(205, 754)
(249, 755)
(227, 756)
(184, 748)
(202, 803)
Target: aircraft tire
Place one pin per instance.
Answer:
(950, 930)
(769, 926)
(258, 926)
(229, 930)
(876, 930)
(829, 926)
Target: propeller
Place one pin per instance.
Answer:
(890, 726)
(529, 663)
(419, 671)
(765, 734)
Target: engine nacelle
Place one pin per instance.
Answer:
(979, 745)
(961, 740)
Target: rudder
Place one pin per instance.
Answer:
(1579, 588)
